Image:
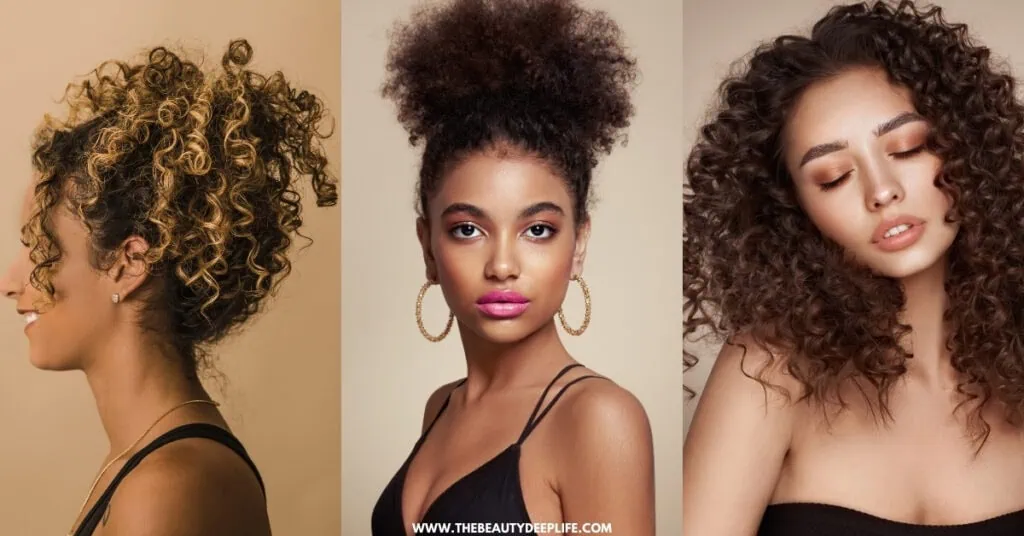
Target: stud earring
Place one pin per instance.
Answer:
(115, 297)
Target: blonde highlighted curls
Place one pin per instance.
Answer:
(203, 166)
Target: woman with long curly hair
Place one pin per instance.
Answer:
(853, 234)
(160, 220)
(515, 100)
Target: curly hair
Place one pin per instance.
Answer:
(203, 166)
(543, 76)
(754, 264)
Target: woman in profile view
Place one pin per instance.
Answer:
(514, 101)
(853, 233)
(159, 221)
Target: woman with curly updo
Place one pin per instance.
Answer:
(514, 101)
(160, 220)
(853, 232)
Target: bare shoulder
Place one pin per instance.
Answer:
(189, 487)
(597, 409)
(747, 370)
(436, 400)
(604, 457)
(738, 439)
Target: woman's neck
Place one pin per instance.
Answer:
(924, 310)
(491, 366)
(134, 384)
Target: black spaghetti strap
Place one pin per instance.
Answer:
(447, 399)
(187, 431)
(536, 408)
(561, 392)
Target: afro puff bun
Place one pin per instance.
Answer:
(546, 76)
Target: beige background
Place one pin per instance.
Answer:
(633, 266)
(282, 395)
(715, 34)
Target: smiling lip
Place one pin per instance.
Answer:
(902, 240)
(29, 316)
(502, 304)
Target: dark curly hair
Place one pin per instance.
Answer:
(543, 76)
(754, 264)
(203, 166)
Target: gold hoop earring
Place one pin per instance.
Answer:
(586, 310)
(419, 316)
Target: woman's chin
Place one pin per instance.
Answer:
(43, 361)
(504, 332)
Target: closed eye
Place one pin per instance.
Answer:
(909, 153)
(830, 185)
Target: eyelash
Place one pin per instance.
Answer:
(899, 156)
(830, 185)
(454, 232)
(909, 153)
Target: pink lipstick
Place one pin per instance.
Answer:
(895, 234)
(502, 304)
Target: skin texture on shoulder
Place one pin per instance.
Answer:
(434, 403)
(737, 442)
(605, 458)
(192, 487)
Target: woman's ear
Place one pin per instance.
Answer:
(423, 234)
(130, 268)
(580, 253)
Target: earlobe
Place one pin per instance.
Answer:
(131, 268)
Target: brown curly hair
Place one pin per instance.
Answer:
(754, 264)
(203, 166)
(544, 76)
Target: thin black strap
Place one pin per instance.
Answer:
(187, 431)
(447, 399)
(530, 427)
(531, 422)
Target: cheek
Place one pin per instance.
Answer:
(548, 262)
(79, 295)
(926, 190)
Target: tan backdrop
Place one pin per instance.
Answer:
(282, 395)
(633, 266)
(717, 33)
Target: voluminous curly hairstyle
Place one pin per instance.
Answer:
(203, 166)
(754, 264)
(543, 76)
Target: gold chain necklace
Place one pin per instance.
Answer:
(129, 449)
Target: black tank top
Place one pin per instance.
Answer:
(188, 431)
(811, 519)
(489, 494)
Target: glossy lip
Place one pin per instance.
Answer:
(900, 241)
(502, 304)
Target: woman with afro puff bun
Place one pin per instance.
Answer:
(514, 101)
(853, 234)
(159, 221)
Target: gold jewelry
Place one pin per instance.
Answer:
(115, 297)
(129, 449)
(586, 312)
(419, 316)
